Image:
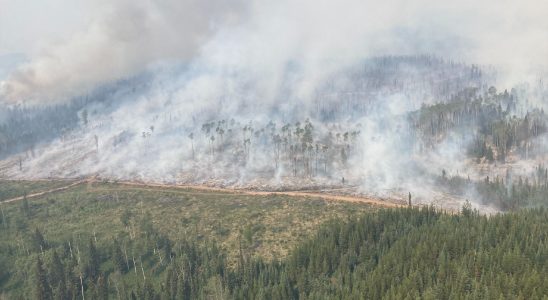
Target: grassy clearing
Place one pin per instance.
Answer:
(109, 213)
(267, 226)
(16, 188)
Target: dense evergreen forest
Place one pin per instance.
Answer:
(407, 253)
(347, 126)
(507, 193)
(499, 122)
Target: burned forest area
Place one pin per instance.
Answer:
(162, 150)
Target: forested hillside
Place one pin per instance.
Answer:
(386, 126)
(406, 253)
(24, 128)
(151, 128)
(252, 149)
(141, 221)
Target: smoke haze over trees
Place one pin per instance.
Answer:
(279, 95)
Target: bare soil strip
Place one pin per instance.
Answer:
(38, 194)
(308, 194)
(320, 195)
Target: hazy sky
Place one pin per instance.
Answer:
(76, 44)
(27, 25)
(236, 55)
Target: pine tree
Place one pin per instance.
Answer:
(148, 291)
(25, 206)
(57, 276)
(42, 288)
(93, 261)
(118, 260)
(101, 288)
(39, 241)
(170, 287)
(184, 290)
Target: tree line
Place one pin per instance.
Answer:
(509, 192)
(406, 253)
(498, 122)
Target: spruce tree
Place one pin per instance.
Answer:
(118, 260)
(42, 288)
(93, 261)
(57, 276)
(101, 288)
(39, 241)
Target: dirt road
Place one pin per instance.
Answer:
(320, 195)
(38, 194)
(324, 196)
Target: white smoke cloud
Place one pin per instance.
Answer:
(125, 37)
(260, 61)
(122, 40)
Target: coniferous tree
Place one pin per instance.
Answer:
(148, 292)
(57, 276)
(118, 259)
(39, 241)
(42, 287)
(25, 206)
(101, 288)
(93, 261)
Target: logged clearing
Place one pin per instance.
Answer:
(267, 224)
(325, 195)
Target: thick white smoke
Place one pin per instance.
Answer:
(124, 37)
(259, 62)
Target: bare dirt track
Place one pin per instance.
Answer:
(38, 194)
(307, 194)
(320, 195)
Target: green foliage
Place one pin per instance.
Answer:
(125, 218)
(118, 259)
(42, 287)
(40, 243)
(16, 188)
(82, 236)
(507, 194)
(394, 254)
(93, 261)
(498, 132)
(411, 253)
